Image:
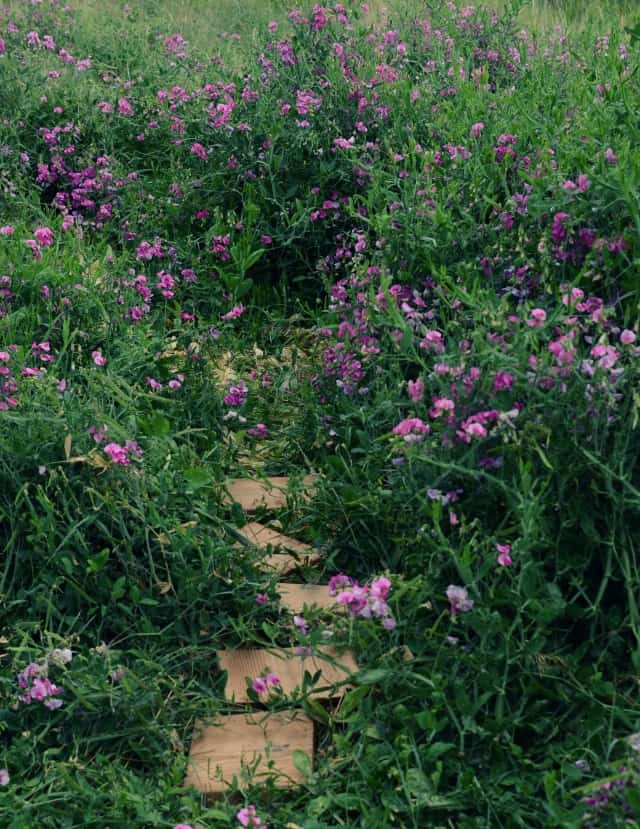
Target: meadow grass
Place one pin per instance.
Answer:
(399, 250)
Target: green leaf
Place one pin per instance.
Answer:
(95, 564)
(119, 588)
(156, 426)
(197, 477)
(302, 762)
(438, 749)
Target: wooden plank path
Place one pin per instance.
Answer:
(247, 748)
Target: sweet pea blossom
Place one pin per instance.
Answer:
(504, 559)
(412, 429)
(459, 599)
(98, 358)
(4, 777)
(627, 337)
(44, 235)
(416, 389)
(248, 817)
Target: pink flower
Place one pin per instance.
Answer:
(380, 588)
(199, 150)
(44, 235)
(273, 680)
(476, 129)
(259, 686)
(504, 559)
(627, 337)
(117, 453)
(261, 598)
(35, 248)
(234, 313)
(442, 405)
(7, 230)
(537, 318)
(459, 599)
(411, 429)
(416, 389)
(300, 623)
(248, 817)
(98, 358)
(610, 156)
(4, 777)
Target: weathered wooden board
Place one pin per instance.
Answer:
(290, 668)
(284, 554)
(269, 493)
(239, 742)
(296, 596)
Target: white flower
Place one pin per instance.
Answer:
(60, 656)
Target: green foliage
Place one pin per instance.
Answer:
(231, 257)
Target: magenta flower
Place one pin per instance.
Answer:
(273, 680)
(476, 129)
(199, 150)
(234, 313)
(122, 454)
(44, 235)
(259, 685)
(504, 559)
(98, 358)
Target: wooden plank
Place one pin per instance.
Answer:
(270, 493)
(298, 554)
(296, 596)
(289, 666)
(250, 747)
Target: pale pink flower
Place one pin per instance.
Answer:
(4, 777)
(98, 358)
(627, 337)
(459, 599)
(248, 817)
(476, 129)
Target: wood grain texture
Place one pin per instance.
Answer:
(249, 747)
(289, 667)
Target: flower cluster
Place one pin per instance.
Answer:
(37, 687)
(122, 455)
(248, 817)
(363, 601)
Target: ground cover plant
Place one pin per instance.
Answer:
(395, 247)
